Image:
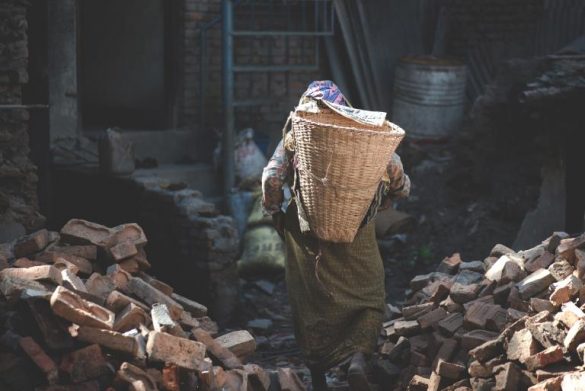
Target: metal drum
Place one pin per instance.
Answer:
(429, 97)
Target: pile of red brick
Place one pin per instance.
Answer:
(513, 321)
(79, 312)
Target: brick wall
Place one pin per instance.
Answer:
(282, 88)
(18, 175)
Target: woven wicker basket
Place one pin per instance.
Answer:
(340, 165)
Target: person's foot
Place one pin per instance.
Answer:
(356, 374)
(318, 380)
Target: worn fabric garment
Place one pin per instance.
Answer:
(338, 302)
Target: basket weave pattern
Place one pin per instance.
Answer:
(340, 165)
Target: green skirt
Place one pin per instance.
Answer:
(338, 302)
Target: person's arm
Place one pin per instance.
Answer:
(399, 185)
(273, 179)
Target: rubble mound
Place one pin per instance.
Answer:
(79, 312)
(513, 321)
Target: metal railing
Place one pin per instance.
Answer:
(250, 19)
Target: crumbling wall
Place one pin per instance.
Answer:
(18, 175)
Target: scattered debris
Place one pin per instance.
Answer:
(98, 324)
(506, 328)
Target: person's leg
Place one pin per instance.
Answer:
(318, 380)
(356, 374)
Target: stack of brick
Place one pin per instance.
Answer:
(18, 193)
(513, 321)
(190, 235)
(79, 312)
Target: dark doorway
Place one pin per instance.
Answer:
(123, 75)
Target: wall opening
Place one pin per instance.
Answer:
(124, 72)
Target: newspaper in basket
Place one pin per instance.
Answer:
(342, 154)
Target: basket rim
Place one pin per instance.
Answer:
(395, 130)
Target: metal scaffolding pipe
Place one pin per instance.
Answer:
(228, 99)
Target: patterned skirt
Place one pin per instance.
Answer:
(336, 292)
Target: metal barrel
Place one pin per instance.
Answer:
(429, 97)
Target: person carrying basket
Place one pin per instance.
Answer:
(336, 289)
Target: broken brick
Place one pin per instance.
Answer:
(225, 356)
(544, 358)
(553, 384)
(575, 335)
(451, 323)
(507, 377)
(117, 301)
(161, 286)
(162, 321)
(77, 231)
(175, 350)
(561, 269)
(475, 338)
(573, 381)
(565, 289)
(40, 358)
(151, 295)
(450, 265)
(99, 285)
(108, 339)
(487, 350)
(535, 283)
(195, 309)
(129, 318)
(521, 346)
(406, 327)
(30, 244)
(450, 370)
(432, 318)
(84, 364)
(72, 307)
(123, 250)
(136, 377)
(241, 343)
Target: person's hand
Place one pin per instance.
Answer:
(278, 222)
